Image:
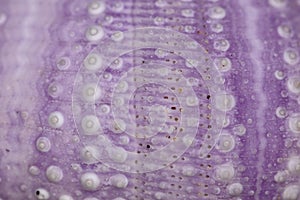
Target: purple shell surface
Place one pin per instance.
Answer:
(150, 99)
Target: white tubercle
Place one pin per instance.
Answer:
(291, 192)
(118, 6)
(285, 31)
(107, 76)
(90, 124)
(42, 194)
(294, 164)
(188, 171)
(54, 174)
(217, 28)
(94, 33)
(117, 36)
(291, 56)
(293, 84)
(122, 86)
(279, 75)
(96, 7)
(90, 154)
(225, 102)
(34, 170)
(118, 126)
(117, 63)
(192, 101)
(119, 181)
(294, 123)
(188, 13)
(225, 172)
(235, 189)
(54, 89)
(281, 176)
(104, 109)
(226, 143)
(43, 144)
(117, 154)
(65, 197)
(221, 45)
(159, 20)
(281, 112)
(216, 12)
(277, 3)
(159, 195)
(223, 64)
(91, 92)
(56, 119)
(63, 63)
(93, 62)
(239, 129)
(90, 181)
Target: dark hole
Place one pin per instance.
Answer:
(148, 146)
(208, 96)
(37, 192)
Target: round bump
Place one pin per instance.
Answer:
(54, 89)
(161, 3)
(96, 7)
(221, 45)
(94, 33)
(104, 109)
(118, 126)
(192, 101)
(217, 28)
(216, 12)
(119, 181)
(225, 172)
(239, 130)
(117, 63)
(226, 143)
(285, 31)
(63, 63)
(281, 112)
(159, 21)
(117, 36)
(293, 84)
(118, 6)
(43, 144)
(42, 194)
(291, 192)
(223, 64)
(54, 174)
(235, 189)
(225, 102)
(294, 123)
(56, 119)
(107, 76)
(294, 164)
(90, 124)
(90, 181)
(91, 92)
(89, 154)
(281, 176)
(65, 197)
(117, 154)
(277, 3)
(93, 62)
(34, 170)
(122, 87)
(188, 171)
(291, 56)
(279, 75)
(188, 13)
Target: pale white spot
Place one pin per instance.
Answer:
(285, 31)
(119, 181)
(281, 112)
(161, 3)
(277, 3)
(34, 170)
(117, 154)
(96, 7)
(118, 6)
(118, 101)
(188, 171)
(225, 172)
(91, 92)
(225, 102)
(159, 21)
(223, 64)
(279, 75)
(281, 176)
(188, 13)
(117, 36)
(43, 144)
(226, 143)
(93, 62)
(42, 194)
(159, 195)
(217, 28)
(216, 12)
(54, 89)
(63, 63)
(56, 119)
(221, 44)
(54, 174)
(235, 189)
(239, 129)
(90, 124)
(160, 53)
(65, 197)
(291, 56)
(90, 181)
(294, 164)
(294, 123)
(293, 84)
(192, 101)
(291, 192)
(89, 154)
(107, 76)
(3, 18)
(122, 87)
(117, 63)
(94, 33)
(105, 109)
